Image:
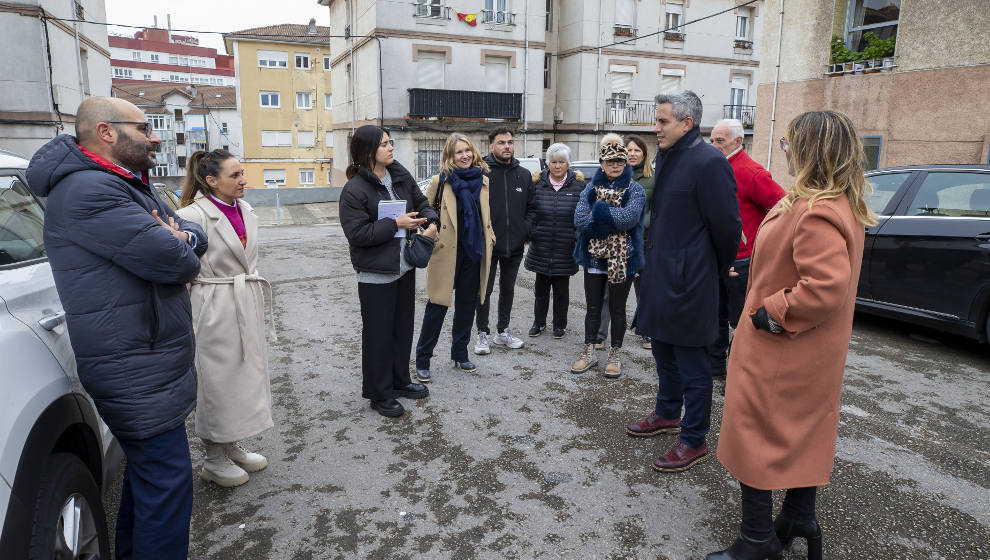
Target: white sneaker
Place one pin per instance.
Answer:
(506, 338)
(250, 462)
(481, 347)
(217, 468)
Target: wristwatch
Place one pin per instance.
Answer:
(775, 327)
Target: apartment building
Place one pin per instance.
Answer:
(912, 74)
(555, 70)
(284, 96)
(50, 64)
(158, 55)
(187, 118)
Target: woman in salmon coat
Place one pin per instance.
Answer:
(781, 415)
(233, 396)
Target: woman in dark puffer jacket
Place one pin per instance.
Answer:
(551, 243)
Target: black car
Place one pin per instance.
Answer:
(927, 261)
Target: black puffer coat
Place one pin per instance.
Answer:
(551, 243)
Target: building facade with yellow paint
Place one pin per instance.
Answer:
(284, 99)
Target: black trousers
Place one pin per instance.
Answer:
(757, 509)
(506, 291)
(731, 300)
(561, 287)
(387, 313)
(595, 288)
(603, 330)
(467, 278)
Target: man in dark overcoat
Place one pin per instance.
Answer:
(693, 239)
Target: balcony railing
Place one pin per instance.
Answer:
(622, 30)
(498, 17)
(673, 36)
(742, 44)
(431, 9)
(746, 114)
(458, 104)
(630, 111)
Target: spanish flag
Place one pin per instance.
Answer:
(470, 19)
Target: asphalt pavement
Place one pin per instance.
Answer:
(522, 459)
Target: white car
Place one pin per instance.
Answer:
(56, 454)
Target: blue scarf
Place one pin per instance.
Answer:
(467, 187)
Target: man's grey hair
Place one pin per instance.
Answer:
(683, 104)
(559, 150)
(735, 127)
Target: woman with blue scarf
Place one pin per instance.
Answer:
(458, 269)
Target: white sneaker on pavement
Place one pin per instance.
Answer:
(507, 339)
(482, 347)
(250, 462)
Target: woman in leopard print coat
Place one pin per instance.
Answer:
(608, 218)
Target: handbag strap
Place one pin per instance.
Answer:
(437, 195)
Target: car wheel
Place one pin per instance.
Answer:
(69, 522)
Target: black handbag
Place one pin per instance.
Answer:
(419, 249)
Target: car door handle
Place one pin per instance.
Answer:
(49, 322)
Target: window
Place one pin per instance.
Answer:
(276, 137)
(23, 222)
(737, 94)
(429, 8)
(326, 62)
(178, 115)
(136, 55)
(329, 142)
(124, 73)
(742, 23)
(884, 189)
(146, 77)
(497, 73)
(180, 137)
(547, 58)
(430, 70)
(269, 99)
(273, 59)
(877, 16)
(625, 14)
(177, 78)
(181, 162)
(302, 61)
(307, 176)
(964, 195)
(183, 61)
(274, 177)
(428, 157)
(670, 80)
(549, 22)
(305, 138)
(196, 146)
(159, 170)
(304, 100)
(84, 61)
(495, 12)
(173, 59)
(154, 57)
(223, 128)
(328, 101)
(80, 11)
(226, 147)
(158, 122)
(871, 149)
(674, 16)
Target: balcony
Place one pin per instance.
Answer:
(622, 30)
(673, 36)
(433, 9)
(457, 104)
(498, 17)
(746, 114)
(742, 44)
(635, 112)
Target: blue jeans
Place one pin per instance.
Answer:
(685, 378)
(156, 499)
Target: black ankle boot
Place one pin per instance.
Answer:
(787, 529)
(746, 548)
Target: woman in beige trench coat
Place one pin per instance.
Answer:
(228, 307)
(458, 269)
(781, 415)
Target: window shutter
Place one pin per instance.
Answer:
(430, 70)
(670, 84)
(496, 74)
(621, 82)
(625, 11)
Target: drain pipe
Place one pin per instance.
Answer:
(350, 74)
(598, 75)
(776, 82)
(525, 98)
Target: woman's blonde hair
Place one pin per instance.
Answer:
(447, 164)
(827, 155)
(641, 144)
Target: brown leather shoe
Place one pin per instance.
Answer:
(653, 425)
(681, 458)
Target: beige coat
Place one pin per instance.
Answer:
(228, 307)
(440, 272)
(781, 414)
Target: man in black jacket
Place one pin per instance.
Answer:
(693, 241)
(510, 199)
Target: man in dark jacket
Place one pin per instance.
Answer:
(121, 259)
(693, 241)
(510, 199)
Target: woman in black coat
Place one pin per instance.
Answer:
(386, 280)
(551, 242)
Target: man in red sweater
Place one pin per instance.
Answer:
(757, 193)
